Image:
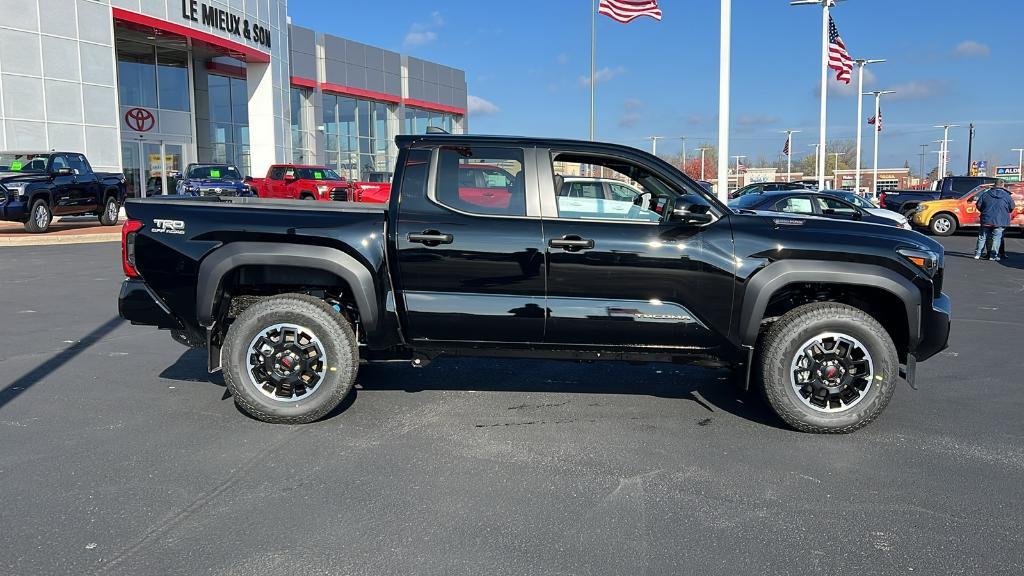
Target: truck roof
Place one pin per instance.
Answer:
(447, 139)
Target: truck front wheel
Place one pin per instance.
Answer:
(39, 217)
(828, 368)
(942, 225)
(290, 359)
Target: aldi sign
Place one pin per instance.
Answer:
(1008, 173)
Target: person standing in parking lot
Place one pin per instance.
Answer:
(995, 206)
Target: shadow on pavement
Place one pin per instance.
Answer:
(1013, 260)
(49, 366)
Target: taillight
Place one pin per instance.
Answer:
(881, 198)
(128, 247)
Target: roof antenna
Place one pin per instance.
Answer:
(436, 130)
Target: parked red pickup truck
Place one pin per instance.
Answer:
(301, 182)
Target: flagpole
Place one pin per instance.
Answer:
(878, 121)
(723, 100)
(824, 92)
(593, 62)
(789, 156)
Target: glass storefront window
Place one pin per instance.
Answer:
(136, 74)
(229, 121)
(303, 139)
(357, 136)
(172, 80)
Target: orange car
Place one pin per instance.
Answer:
(943, 217)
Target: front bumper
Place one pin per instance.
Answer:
(138, 304)
(920, 219)
(935, 324)
(12, 208)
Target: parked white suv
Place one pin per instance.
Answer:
(584, 197)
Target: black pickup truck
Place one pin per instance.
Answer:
(36, 186)
(289, 298)
(906, 201)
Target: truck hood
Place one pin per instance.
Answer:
(22, 177)
(213, 182)
(824, 228)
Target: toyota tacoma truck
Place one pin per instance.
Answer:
(296, 181)
(289, 299)
(36, 186)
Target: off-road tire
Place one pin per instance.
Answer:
(332, 330)
(105, 215)
(782, 342)
(937, 229)
(307, 196)
(32, 225)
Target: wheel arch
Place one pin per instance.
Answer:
(216, 267)
(880, 289)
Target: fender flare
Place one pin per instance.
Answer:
(40, 193)
(217, 265)
(770, 279)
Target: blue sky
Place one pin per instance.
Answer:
(526, 64)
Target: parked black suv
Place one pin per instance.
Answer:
(290, 297)
(36, 186)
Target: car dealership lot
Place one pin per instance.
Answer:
(121, 455)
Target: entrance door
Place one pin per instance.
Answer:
(150, 166)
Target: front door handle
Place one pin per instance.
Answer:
(571, 243)
(430, 238)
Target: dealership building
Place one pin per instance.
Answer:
(147, 86)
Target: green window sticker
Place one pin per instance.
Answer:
(214, 173)
(16, 166)
(318, 175)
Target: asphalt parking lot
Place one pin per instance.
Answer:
(120, 455)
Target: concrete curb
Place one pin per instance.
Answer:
(61, 239)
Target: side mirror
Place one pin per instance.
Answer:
(684, 216)
(64, 172)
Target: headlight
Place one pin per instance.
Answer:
(323, 189)
(926, 260)
(16, 189)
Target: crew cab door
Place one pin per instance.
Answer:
(471, 269)
(65, 191)
(623, 271)
(87, 188)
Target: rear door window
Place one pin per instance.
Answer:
(795, 205)
(481, 180)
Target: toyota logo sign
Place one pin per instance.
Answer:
(139, 119)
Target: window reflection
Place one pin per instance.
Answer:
(229, 121)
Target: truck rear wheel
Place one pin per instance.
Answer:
(290, 359)
(39, 217)
(828, 368)
(942, 225)
(111, 212)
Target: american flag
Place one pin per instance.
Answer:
(838, 58)
(876, 122)
(625, 11)
(785, 148)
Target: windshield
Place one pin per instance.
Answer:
(316, 174)
(22, 162)
(855, 199)
(973, 190)
(214, 171)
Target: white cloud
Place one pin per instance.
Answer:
(919, 89)
(629, 120)
(970, 48)
(421, 33)
(419, 38)
(756, 120)
(480, 107)
(603, 75)
(843, 90)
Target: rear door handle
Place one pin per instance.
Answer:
(430, 238)
(571, 243)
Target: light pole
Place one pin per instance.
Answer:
(724, 61)
(861, 63)
(815, 146)
(702, 150)
(878, 124)
(738, 158)
(1020, 163)
(939, 172)
(683, 138)
(654, 143)
(835, 166)
(789, 154)
(825, 5)
(923, 154)
(945, 145)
